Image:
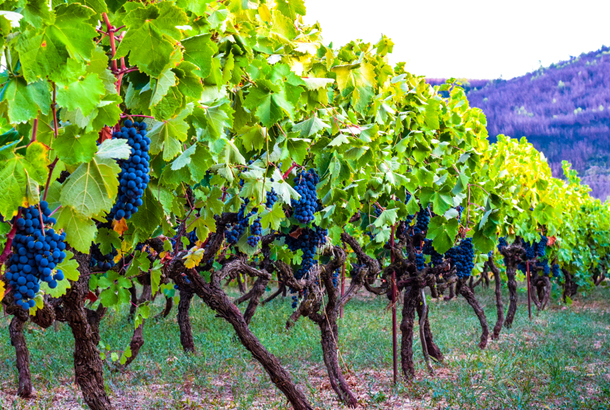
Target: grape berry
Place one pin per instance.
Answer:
(134, 177)
(36, 253)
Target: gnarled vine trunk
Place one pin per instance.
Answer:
(330, 334)
(512, 298)
(433, 349)
(184, 321)
(22, 354)
(88, 367)
(406, 327)
(466, 292)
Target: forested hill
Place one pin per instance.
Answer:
(564, 110)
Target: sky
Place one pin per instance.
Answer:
(476, 39)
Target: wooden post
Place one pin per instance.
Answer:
(342, 288)
(529, 290)
(394, 325)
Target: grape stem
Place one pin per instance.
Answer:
(294, 164)
(9, 240)
(55, 132)
(112, 41)
(467, 214)
(34, 130)
(46, 188)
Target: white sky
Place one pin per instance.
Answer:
(477, 39)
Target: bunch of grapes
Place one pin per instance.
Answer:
(436, 258)
(307, 204)
(36, 253)
(100, 261)
(308, 242)
(420, 261)
(410, 217)
(236, 231)
(502, 243)
(423, 219)
(256, 230)
(544, 264)
(522, 267)
(555, 270)
(541, 246)
(133, 178)
(377, 211)
(336, 278)
(460, 209)
(530, 250)
(271, 198)
(463, 258)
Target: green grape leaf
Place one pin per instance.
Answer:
(291, 8)
(274, 217)
(107, 238)
(91, 189)
(45, 52)
(387, 218)
(73, 146)
(214, 119)
(106, 113)
(147, 48)
(149, 215)
(201, 161)
(166, 80)
(25, 100)
(80, 230)
(114, 148)
(310, 127)
(166, 136)
(199, 50)
(84, 94)
(270, 106)
(15, 176)
(443, 233)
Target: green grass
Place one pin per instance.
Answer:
(560, 360)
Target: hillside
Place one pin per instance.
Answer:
(564, 110)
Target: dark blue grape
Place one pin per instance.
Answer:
(336, 278)
(555, 270)
(131, 184)
(435, 257)
(420, 261)
(308, 242)
(36, 253)
(101, 261)
(502, 243)
(530, 250)
(306, 206)
(544, 264)
(462, 257)
(541, 246)
(423, 219)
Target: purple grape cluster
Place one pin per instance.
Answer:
(436, 258)
(101, 261)
(423, 219)
(462, 257)
(541, 246)
(420, 261)
(306, 206)
(134, 177)
(308, 242)
(36, 253)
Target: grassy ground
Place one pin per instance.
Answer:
(560, 360)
